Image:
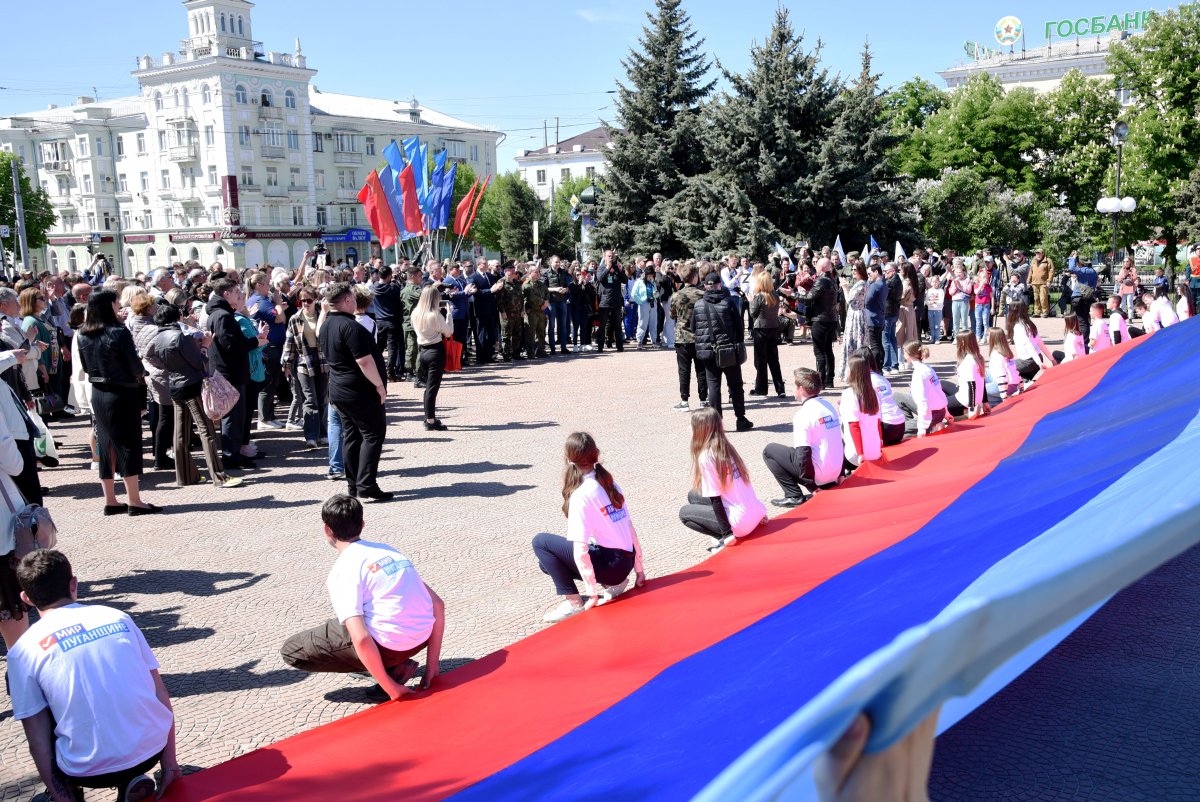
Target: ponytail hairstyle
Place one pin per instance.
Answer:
(869, 357)
(1019, 313)
(998, 343)
(858, 377)
(1184, 290)
(915, 352)
(1071, 324)
(583, 457)
(708, 434)
(966, 345)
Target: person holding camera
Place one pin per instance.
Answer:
(431, 322)
(611, 281)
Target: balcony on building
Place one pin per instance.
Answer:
(273, 152)
(347, 157)
(298, 188)
(270, 112)
(249, 186)
(183, 153)
(57, 167)
(275, 191)
(347, 194)
(63, 202)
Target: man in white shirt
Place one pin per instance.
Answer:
(384, 613)
(815, 458)
(86, 687)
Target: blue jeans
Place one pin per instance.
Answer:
(961, 310)
(891, 349)
(556, 319)
(983, 320)
(935, 325)
(314, 400)
(337, 463)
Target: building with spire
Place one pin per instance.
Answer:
(228, 153)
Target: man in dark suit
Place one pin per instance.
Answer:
(487, 317)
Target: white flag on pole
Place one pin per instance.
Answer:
(837, 246)
(900, 254)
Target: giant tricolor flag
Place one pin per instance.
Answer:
(943, 568)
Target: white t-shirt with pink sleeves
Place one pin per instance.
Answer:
(742, 506)
(872, 435)
(591, 515)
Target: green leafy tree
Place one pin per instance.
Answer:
(1161, 68)
(1188, 208)
(562, 233)
(907, 109)
(39, 214)
(963, 210)
(505, 221)
(657, 139)
(765, 142)
(855, 178)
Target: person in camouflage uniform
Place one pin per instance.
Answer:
(683, 303)
(408, 302)
(510, 300)
(535, 312)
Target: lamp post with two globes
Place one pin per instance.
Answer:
(1116, 204)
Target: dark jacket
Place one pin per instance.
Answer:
(611, 283)
(485, 302)
(895, 291)
(821, 301)
(877, 293)
(109, 357)
(231, 348)
(387, 302)
(180, 354)
(715, 322)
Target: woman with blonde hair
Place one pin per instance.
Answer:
(721, 503)
(764, 331)
(430, 325)
(601, 547)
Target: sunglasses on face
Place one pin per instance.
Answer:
(307, 301)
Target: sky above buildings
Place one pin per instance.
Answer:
(506, 65)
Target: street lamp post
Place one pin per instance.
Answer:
(1116, 204)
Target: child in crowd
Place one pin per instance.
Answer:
(601, 547)
(1073, 346)
(1002, 365)
(1185, 307)
(1118, 327)
(971, 392)
(925, 404)
(1099, 334)
(1014, 291)
(891, 417)
(1162, 307)
(935, 297)
(815, 458)
(1028, 347)
(862, 434)
(721, 503)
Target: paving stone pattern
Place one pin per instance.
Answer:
(219, 582)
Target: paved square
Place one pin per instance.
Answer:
(227, 575)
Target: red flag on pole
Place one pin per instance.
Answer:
(378, 212)
(463, 210)
(413, 223)
(475, 207)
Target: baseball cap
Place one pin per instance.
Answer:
(713, 279)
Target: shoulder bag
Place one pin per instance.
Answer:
(30, 528)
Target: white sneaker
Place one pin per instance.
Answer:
(294, 427)
(587, 349)
(271, 424)
(562, 611)
(682, 406)
(323, 441)
(310, 443)
(613, 591)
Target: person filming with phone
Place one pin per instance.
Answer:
(431, 321)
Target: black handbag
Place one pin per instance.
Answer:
(730, 355)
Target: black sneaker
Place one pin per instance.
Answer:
(744, 425)
(376, 495)
(757, 392)
(789, 501)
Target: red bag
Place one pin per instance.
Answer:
(453, 356)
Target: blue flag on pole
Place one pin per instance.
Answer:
(431, 200)
(447, 196)
(395, 158)
(874, 244)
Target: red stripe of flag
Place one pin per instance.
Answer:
(379, 214)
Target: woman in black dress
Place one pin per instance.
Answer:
(115, 374)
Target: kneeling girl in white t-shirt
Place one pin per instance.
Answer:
(924, 404)
(601, 547)
(721, 503)
(862, 432)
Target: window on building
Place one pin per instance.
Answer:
(297, 215)
(108, 221)
(169, 220)
(248, 176)
(456, 149)
(53, 261)
(322, 216)
(158, 101)
(344, 215)
(240, 31)
(565, 174)
(87, 185)
(210, 136)
(239, 95)
(222, 22)
(214, 215)
(141, 144)
(64, 186)
(591, 172)
(273, 215)
(122, 183)
(125, 220)
(345, 142)
(162, 140)
(83, 147)
(272, 177)
(212, 175)
(120, 146)
(541, 176)
(175, 99)
(188, 174)
(293, 140)
(294, 177)
(91, 221)
(273, 135)
(99, 146)
(145, 177)
(344, 179)
(319, 179)
(370, 146)
(164, 179)
(244, 135)
(474, 153)
(183, 97)
(289, 99)
(148, 222)
(205, 94)
(266, 98)
(72, 265)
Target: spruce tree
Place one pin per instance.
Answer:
(763, 144)
(656, 144)
(856, 189)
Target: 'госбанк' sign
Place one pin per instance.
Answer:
(1097, 26)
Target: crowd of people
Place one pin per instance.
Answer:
(187, 357)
